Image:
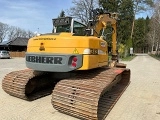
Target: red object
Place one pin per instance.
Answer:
(74, 64)
(118, 71)
(75, 59)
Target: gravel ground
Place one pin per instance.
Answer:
(141, 100)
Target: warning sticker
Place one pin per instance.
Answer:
(75, 51)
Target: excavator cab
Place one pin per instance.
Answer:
(68, 24)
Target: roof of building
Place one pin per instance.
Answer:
(5, 43)
(19, 41)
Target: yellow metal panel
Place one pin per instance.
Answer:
(92, 61)
(61, 41)
(89, 62)
(65, 43)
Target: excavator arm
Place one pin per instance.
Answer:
(99, 23)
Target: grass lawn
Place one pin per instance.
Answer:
(128, 58)
(155, 56)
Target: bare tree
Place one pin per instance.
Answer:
(81, 9)
(153, 35)
(14, 32)
(156, 18)
(3, 31)
(29, 34)
(11, 32)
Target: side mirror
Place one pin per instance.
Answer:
(89, 32)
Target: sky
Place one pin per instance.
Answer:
(33, 15)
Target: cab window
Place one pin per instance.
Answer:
(63, 28)
(79, 28)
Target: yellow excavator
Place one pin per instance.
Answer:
(72, 63)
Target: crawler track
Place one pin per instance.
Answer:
(89, 94)
(27, 84)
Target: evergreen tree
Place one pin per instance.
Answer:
(110, 5)
(125, 10)
(147, 21)
(62, 14)
(126, 17)
(139, 35)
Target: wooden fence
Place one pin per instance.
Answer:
(17, 54)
